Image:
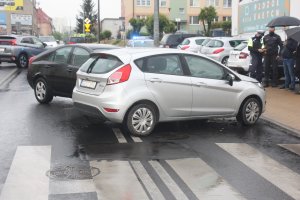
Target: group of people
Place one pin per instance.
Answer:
(271, 48)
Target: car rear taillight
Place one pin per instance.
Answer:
(120, 76)
(185, 47)
(111, 110)
(243, 55)
(218, 51)
(71, 43)
(31, 60)
(13, 42)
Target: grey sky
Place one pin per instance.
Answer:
(70, 8)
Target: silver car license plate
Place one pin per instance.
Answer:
(2, 50)
(88, 84)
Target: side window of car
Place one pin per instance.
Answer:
(37, 42)
(27, 40)
(62, 55)
(164, 64)
(79, 56)
(204, 68)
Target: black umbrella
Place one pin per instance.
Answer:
(293, 33)
(284, 21)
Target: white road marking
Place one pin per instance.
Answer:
(72, 186)
(147, 180)
(204, 182)
(295, 148)
(276, 173)
(27, 178)
(166, 178)
(136, 139)
(117, 181)
(119, 135)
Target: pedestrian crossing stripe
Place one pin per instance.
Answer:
(27, 180)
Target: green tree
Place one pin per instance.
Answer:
(207, 16)
(87, 11)
(57, 35)
(106, 34)
(226, 25)
(165, 25)
(137, 25)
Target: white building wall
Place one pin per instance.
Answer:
(112, 25)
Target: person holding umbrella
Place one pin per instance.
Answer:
(255, 46)
(272, 42)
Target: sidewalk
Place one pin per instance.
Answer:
(283, 109)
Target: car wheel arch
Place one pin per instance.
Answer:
(145, 101)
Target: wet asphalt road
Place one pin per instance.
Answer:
(81, 141)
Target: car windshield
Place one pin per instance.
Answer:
(47, 39)
(215, 44)
(100, 64)
(241, 46)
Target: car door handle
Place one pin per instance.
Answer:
(47, 66)
(199, 84)
(156, 80)
(69, 70)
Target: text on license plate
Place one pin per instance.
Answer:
(88, 84)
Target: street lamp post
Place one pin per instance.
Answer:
(156, 22)
(99, 22)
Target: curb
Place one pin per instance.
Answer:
(283, 127)
(8, 76)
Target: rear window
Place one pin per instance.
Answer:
(77, 39)
(186, 42)
(101, 64)
(6, 40)
(215, 44)
(235, 43)
(241, 46)
(205, 42)
(170, 39)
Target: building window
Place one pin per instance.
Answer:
(227, 18)
(194, 20)
(181, 10)
(162, 3)
(216, 19)
(214, 3)
(141, 17)
(194, 3)
(143, 2)
(227, 3)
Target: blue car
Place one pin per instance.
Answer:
(19, 49)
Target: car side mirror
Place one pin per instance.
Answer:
(230, 78)
(44, 44)
(57, 41)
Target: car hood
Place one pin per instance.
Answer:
(247, 79)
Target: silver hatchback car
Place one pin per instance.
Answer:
(219, 48)
(141, 87)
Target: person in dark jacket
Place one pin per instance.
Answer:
(297, 70)
(272, 42)
(288, 54)
(255, 46)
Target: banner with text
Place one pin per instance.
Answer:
(255, 14)
(11, 5)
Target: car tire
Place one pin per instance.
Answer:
(42, 91)
(22, 61)
(141, 120)
(250, 112)
(225, 61)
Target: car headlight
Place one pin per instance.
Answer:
(260, 85)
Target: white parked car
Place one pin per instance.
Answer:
(50, 41)
(240, 58)
(192, 44)
(142, 87)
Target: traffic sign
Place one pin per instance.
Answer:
(87, 20)
(87, 27)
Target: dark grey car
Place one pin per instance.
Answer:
(19, 49)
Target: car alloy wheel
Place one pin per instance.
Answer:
(250, 112)
(23, 61)
(141, 119)
(42, 91)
